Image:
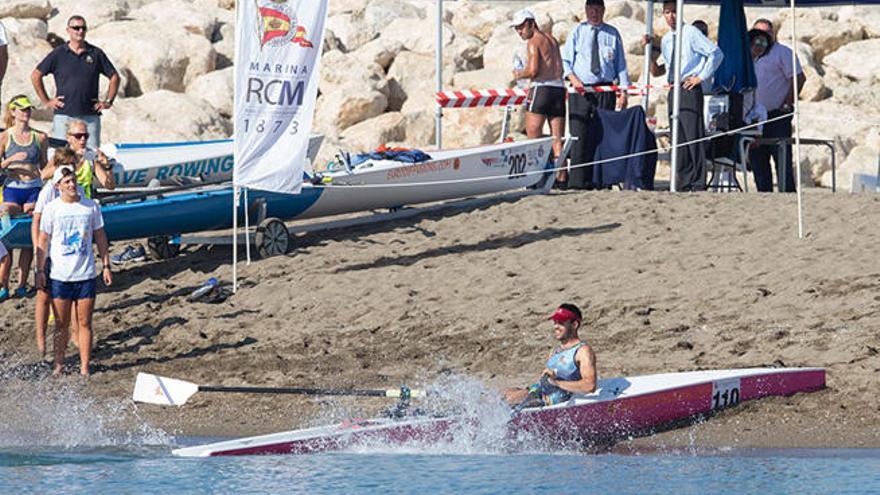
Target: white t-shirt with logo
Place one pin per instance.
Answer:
(71, 227)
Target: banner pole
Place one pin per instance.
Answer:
(235, 192)
(247, 227)
(649, 31)
(438, 68)
(676, 101)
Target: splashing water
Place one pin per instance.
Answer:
(481, 424)
(43, 412)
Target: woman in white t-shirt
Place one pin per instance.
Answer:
(68, 226)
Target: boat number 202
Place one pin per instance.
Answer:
(517, 163)
(725, 393)
(272, 126)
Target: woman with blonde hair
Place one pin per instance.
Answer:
(22, 157)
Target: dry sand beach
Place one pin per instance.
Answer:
(668, 283)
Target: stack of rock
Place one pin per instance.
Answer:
(377, 80)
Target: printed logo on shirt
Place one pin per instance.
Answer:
(89, 59)
(72, 244)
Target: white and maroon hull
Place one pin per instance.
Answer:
(620, 406)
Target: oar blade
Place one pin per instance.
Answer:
(153, 389)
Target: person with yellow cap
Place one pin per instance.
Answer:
(22, 156)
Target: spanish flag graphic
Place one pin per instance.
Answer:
(276, 24)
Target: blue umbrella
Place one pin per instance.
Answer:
(736, 73)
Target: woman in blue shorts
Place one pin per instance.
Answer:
(22, 156)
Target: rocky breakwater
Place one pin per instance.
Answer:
(377, 80)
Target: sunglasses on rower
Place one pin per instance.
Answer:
(80, 27)
(79, 135)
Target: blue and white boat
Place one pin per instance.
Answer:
(140, 165)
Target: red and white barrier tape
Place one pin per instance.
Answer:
(472, 98)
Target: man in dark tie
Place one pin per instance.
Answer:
(593, 55)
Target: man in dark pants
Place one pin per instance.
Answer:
(699, 60)
(776, 93)
(593, 55)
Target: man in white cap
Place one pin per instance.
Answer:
(544, 69)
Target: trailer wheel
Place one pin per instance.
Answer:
(272, 238)
(160, 248)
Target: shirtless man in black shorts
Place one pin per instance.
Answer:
(544, 69)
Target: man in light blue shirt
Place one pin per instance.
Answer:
(700, 59)
(593, 55)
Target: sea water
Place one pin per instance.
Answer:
(153, 470)
(58, 439)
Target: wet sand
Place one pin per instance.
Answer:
(667, 282)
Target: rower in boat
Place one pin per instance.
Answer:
(571, 367)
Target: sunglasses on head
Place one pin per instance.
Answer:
(78, 28)
(79, 135)
(760, 42)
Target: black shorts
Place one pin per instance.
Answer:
(547, 100)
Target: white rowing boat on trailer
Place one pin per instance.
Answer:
(137, 165)
(620, 407)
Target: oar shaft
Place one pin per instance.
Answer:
(297, 391)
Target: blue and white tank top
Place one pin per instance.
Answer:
(563, 363)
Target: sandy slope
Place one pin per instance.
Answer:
(668, 282)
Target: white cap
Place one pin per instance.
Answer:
(59, 173)
(521, 17)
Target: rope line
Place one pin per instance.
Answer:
(556, 169)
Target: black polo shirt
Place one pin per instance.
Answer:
(76, 77)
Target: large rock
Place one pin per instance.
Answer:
(814, 88)
(500, 49)
(163, 116)
(25, 9)
(627, 9)
(482, 79)
(859, 60)
(378, 13)
(216, 88)
(176, 14)
(845, 125)
(27, 32)
(823, 35)
(548, 13)
(417, 35)
(415, 75)
(338, 69)
(465, 52)
(379, 51)
(155, 57)
(344, 106)
(351, 30)
(368, 135)
(420, 128)
(96, 12)
(478, 19)
(862, 159)
(631, 33)
(347, 7)
(868, 17)
(471, 126)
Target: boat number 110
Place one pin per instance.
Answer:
(725, 394)
(273, 126)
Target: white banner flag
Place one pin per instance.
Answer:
(277, 62)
